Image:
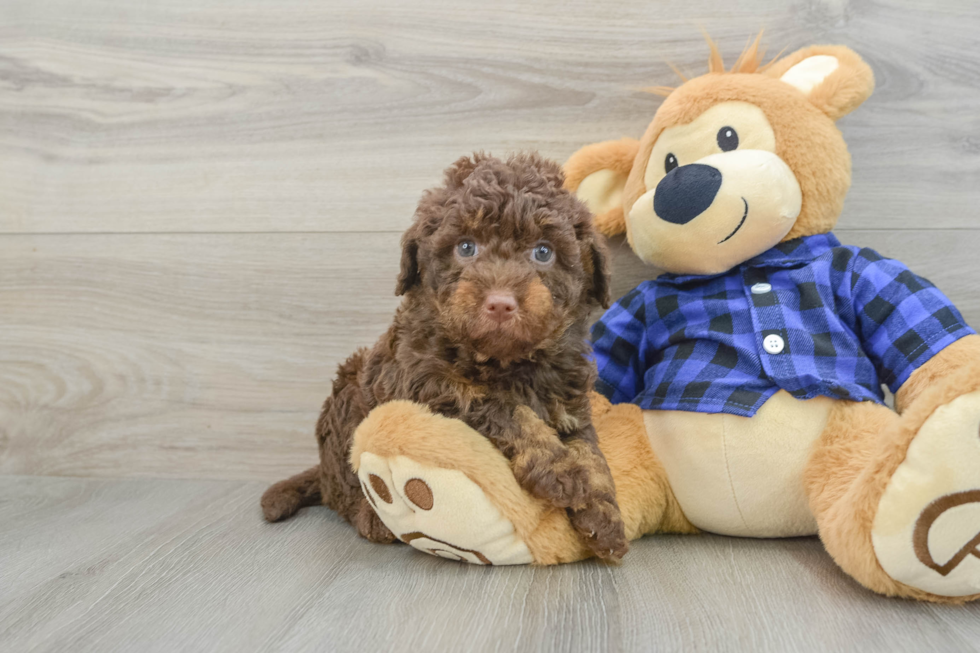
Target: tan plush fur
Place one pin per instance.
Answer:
(861, 447)
(806, 137)
(851, 466)
(615, 156)
(863, 444)
(402, 428)
(647, 502)
(965, 351)
(609, 155)
(843, 490)
(844, 89)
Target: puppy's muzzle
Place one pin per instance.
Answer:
(500, 306)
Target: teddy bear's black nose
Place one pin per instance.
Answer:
(686, 192)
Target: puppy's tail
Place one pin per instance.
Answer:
(283, 499)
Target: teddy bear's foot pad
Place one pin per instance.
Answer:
(439, 511)
(926, 532)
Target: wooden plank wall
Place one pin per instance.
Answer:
(200, 202)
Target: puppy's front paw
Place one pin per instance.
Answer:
(554, 476)
(601, 526)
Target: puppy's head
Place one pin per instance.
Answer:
(504, 255)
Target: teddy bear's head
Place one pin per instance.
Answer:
(734, 161)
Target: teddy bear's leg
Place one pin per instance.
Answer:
(446, 490)
(897, 498)
(645, 498)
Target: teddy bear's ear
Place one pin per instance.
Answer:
(597, 175)
(833, 77)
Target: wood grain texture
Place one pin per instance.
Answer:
(286, 115)
(208, 356)
(152, 565)
(199, 355)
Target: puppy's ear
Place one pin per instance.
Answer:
(409, 277)
(599, 289)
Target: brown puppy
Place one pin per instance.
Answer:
(500, 271)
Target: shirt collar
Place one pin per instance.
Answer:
(784, 255)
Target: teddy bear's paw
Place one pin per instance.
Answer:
(440, 511)
(926, 532)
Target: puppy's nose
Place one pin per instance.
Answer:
(500, 306)
(686, 192)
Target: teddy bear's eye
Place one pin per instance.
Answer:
(727, 139)
(670, 162)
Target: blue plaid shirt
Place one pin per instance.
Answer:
(845, 320)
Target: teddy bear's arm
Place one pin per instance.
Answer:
(597, 174)
(911, 331)
(620, 345)
(958, 364)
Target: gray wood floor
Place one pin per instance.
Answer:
(180, 565)
(200, 205)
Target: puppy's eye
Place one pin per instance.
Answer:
(727, 139)
(466, 249)
(670, 163)
(543, 253)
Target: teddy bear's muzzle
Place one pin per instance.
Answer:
(686, 192)
(708, 216)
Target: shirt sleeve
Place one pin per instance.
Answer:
(617, 340)
(902, 319)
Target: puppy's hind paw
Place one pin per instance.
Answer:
(370, 527)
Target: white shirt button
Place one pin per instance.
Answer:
(760, 288)
(773, 344)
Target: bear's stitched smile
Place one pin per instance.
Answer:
(741, 222)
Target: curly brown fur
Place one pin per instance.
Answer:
(522, 380)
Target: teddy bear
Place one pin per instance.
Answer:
(740, 391)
